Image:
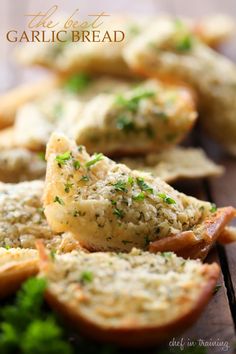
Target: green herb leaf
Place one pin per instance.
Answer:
(119, 213)
(139, 196)
(143, 185)
(63, 158)
(76, 165)
(84, 178)
(213, 208)
(132, 103)
(58, 200)
(166, 198)
(77, 83)
(86, 277)
(26, 327)
(125, 123)
(120, 186)
(97, 158)
(185, 44)
(68, 187)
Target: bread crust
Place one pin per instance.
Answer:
(13, 274)
(129, 336)
(188, 244)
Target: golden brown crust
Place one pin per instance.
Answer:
(228, 235)
(188, 244)
(131, 336)
(13, 99)
(13, 274)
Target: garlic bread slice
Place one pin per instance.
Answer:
(147, 118)
(107, 206)
(16, 265)
(19, 164)
(176, 163)
(135, 299)
(167, 49)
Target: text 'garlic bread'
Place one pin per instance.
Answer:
(135, 299)
(107, 206)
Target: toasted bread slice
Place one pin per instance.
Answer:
(15, 98)
(18, 164)
(107, 206)
(16, 265)
(22, 220)
(170, 51)
(136, 299)
(214, 29)
(175, 164)
(60, 109)
(197, 242)
(147, 118)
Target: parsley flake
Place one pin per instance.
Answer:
(97, 158)
(119, 213)
(86, 277)
(77, 83)
(143, 185)
(166, 198)
(213, 208)
(120, 186)
(58, 200)
(63, 158)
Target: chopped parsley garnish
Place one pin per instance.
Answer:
(132, 103)
(77, 83)
(58, 200)
(86, 277)
(184, 44)
(143, 185)
(97, 158)
(63, 158)
(119, 213)
(7, 247)
(139, 196)
(213, 208)
(80, 148)
(120, 186)
(68, 187)
(76, 165)
(27, 326)
(130, 181)
(166, 198)
(125, 123)
(84, 178)
(113, 202)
